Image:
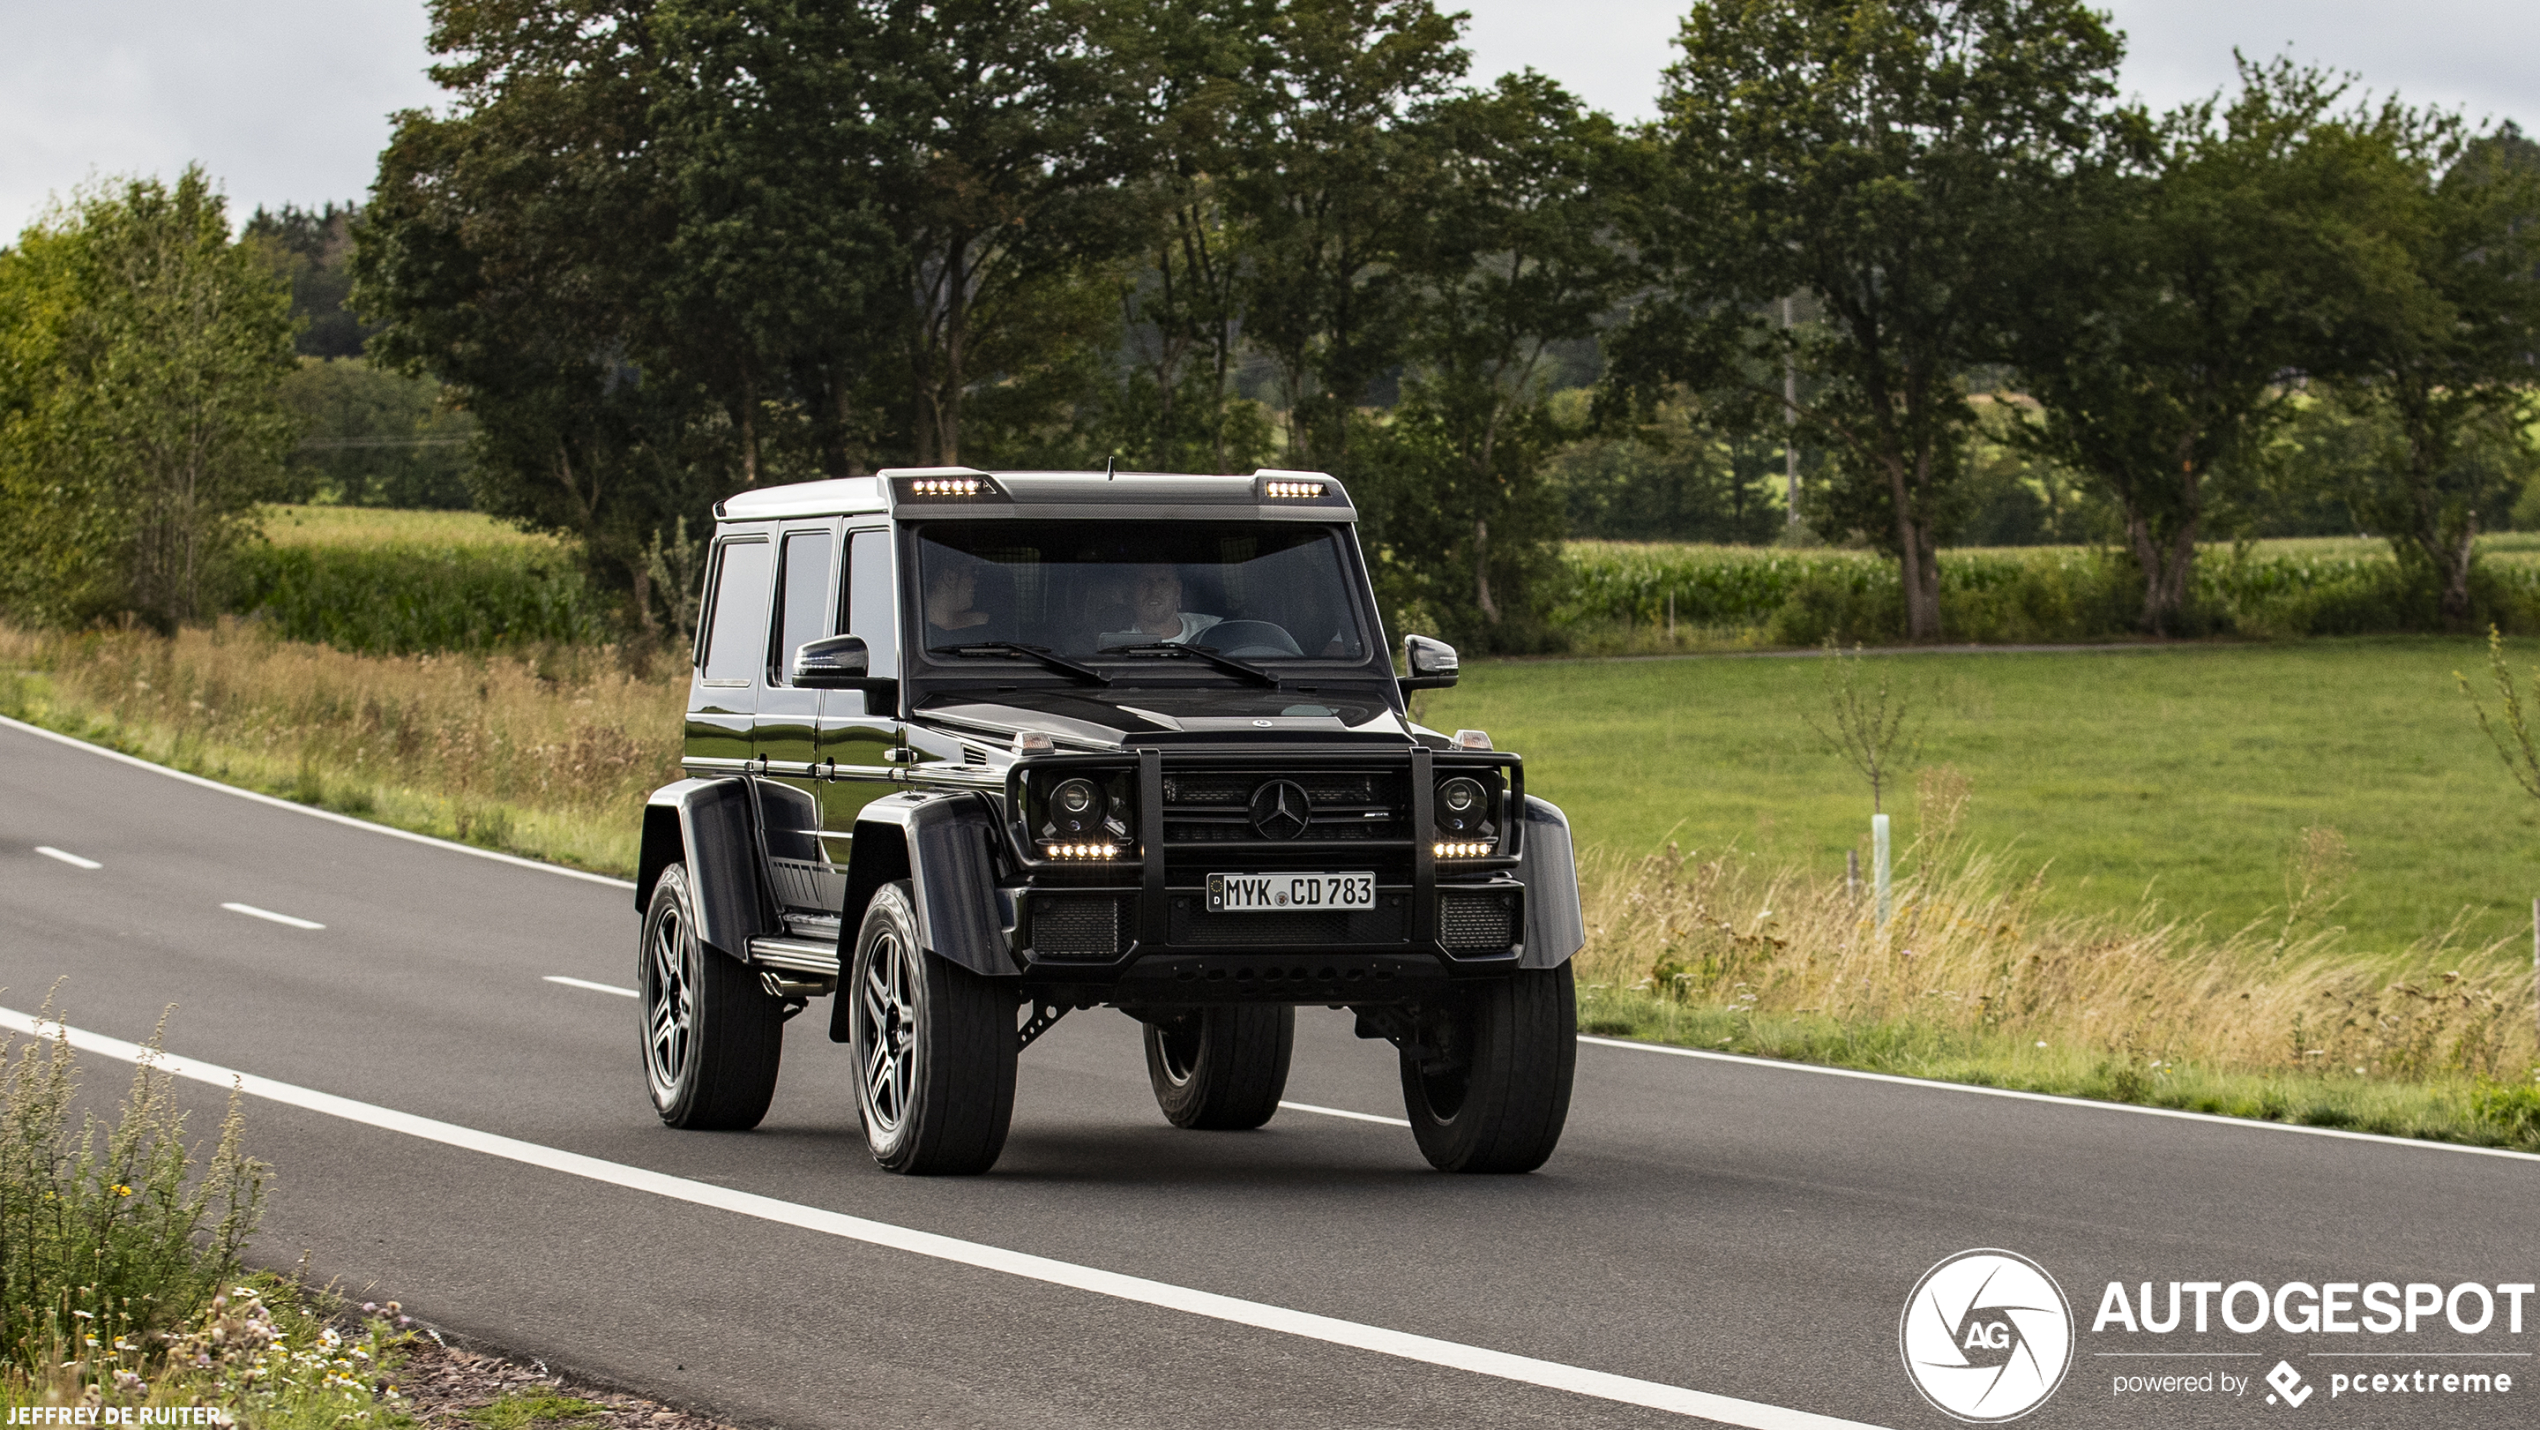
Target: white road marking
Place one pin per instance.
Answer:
(1343, 1112)
(594, 987)
(310, 810)
(49, 852)
(1331, 1330)
(251, 911)
(2059, 1100)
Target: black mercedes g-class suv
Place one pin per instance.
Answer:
(972, 750)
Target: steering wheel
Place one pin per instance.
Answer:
(1250, 638)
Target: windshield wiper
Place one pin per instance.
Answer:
(1226, 663)
(1040, 653)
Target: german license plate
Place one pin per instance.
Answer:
(1289, 893)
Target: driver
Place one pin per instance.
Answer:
(1156, 597)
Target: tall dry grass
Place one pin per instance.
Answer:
(549, 753)
(1969, 956)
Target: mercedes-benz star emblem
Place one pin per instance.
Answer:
(1280, 809)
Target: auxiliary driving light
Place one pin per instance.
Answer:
(1081, 851)
(1292, 489)
(1461, 849)
(946, 486)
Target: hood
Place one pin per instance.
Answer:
(1120, 716)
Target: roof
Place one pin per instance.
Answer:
(1268, 494)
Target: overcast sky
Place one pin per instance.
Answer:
(287, 100)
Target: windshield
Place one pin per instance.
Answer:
(1256, 591)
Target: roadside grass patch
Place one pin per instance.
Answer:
(1971, 982)
(549, 752)
(519, 1410)
(121, 1283)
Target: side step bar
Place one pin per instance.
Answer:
(796, 955)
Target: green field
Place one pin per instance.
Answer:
(2188, 772)
(368, 526)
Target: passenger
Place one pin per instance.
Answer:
(952, 613)
(1157, 598)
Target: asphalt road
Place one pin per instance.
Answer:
(1740, 1230)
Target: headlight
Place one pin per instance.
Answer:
(1463, 806)
(1079, 809)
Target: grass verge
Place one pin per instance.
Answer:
(1969, 981)
(549, 753)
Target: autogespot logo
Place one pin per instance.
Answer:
(1986, 1336)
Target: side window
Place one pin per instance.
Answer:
(735, 641)
(870, 609)
(802, 600)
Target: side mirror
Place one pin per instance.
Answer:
(1432, 663)
(831, 663)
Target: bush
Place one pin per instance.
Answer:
(2036, 594)
(409, 600)
(108, 1239)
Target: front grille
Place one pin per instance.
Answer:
(1193, 926)
(1351, 806)
(1076, 926)
(1477, 920)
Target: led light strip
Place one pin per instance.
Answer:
(946, 486)
(1293, 489)
(1080, 851)
(1462, 850)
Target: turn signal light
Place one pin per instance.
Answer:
(1293, 489)
(1462, 849)
(946, 486)
(1080, 851)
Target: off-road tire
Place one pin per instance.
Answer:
(1499, 1100)
(712, 1034)
(934, 1047)
(1221, 1069)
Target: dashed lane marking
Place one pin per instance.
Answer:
(286, 920)
(1344, 1112)
(67, 857)
(1330, 1330)
(586, 983)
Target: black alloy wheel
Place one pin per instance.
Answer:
(713, 1035)
(934, 1047)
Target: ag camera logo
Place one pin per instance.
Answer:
(1986, 1336)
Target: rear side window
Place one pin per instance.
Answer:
(802, 602)
(736, 639)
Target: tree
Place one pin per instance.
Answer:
(315, 247)
(1332, 179)
(2169, 302)
(140, 422)
(2448, 343)
(1885, 158)
(1514, 253)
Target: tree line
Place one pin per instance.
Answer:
(1917, 257)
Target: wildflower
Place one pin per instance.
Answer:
(121, 1190)
(2041, 1042)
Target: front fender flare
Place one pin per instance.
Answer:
(1554, 927)
(944, 844)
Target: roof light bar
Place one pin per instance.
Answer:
(946, 486)
(1293, 489)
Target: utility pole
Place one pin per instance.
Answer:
(1790, 422)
